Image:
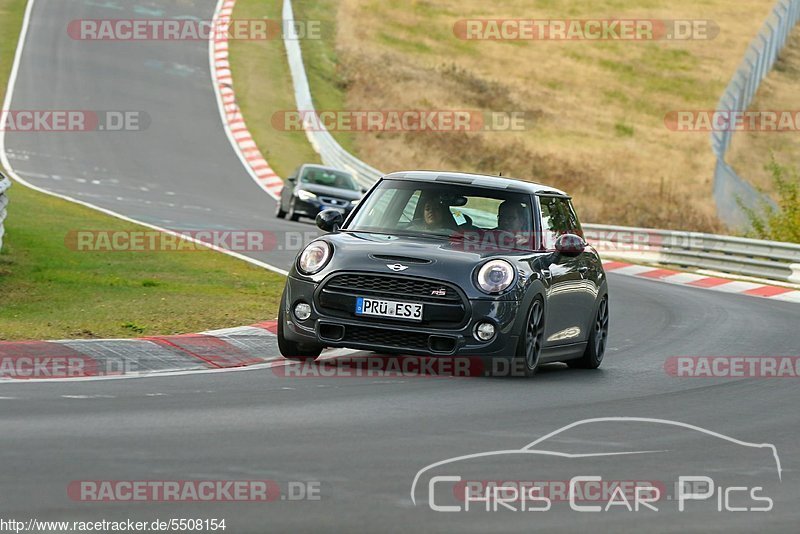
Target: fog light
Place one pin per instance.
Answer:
(302, 311)
(484, 331)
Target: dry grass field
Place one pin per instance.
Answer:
(750, 151)
(597, 107)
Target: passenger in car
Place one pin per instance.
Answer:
(513, 223)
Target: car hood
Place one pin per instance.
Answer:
(441, 259)
(334, 192)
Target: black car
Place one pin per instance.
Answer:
(444, 264)
(313, 188)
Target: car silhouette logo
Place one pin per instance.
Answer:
(397, 267)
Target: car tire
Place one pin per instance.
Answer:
(596, 348)
(279, 213)
(529, 346)
(292, 350)
(292, 215)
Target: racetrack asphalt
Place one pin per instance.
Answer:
(179, 172)
(362, 439)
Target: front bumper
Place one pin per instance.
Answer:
(395, 336)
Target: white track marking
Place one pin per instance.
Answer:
(5, 161)
(683, 278)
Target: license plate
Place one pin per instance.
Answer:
(389, 308)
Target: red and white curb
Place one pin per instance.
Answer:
(232, 118)
(248, 346)
(229, 348)
(725, 285)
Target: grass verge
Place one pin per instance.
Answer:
(263, 81)
(49, 291)
(263, 87)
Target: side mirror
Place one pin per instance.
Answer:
(364, 189)
(570, 245)
(329, 220)
(291, 179)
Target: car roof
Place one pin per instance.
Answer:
(479, 180)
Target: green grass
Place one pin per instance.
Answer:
(623, 130)
(263, 87)
(49, 291)
(263, 82)
(11, 12)
(404, 45)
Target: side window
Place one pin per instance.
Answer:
(575, 224)
(558, 218)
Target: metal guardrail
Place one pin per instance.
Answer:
(758, 61)
(5, 183)
(321, 140)
(771, 260)
(734, 255)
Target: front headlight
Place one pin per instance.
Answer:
(306, 195)
(314, 257)
(495, 276)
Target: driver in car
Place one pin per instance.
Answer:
(512, 223)
(436, 217)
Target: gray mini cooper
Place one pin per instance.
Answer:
(444, 264)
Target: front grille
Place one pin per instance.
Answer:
(335, 201)
(393, 286)
(444, 306)
(385, 338)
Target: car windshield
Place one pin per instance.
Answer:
(494, 217)
(329, 177)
